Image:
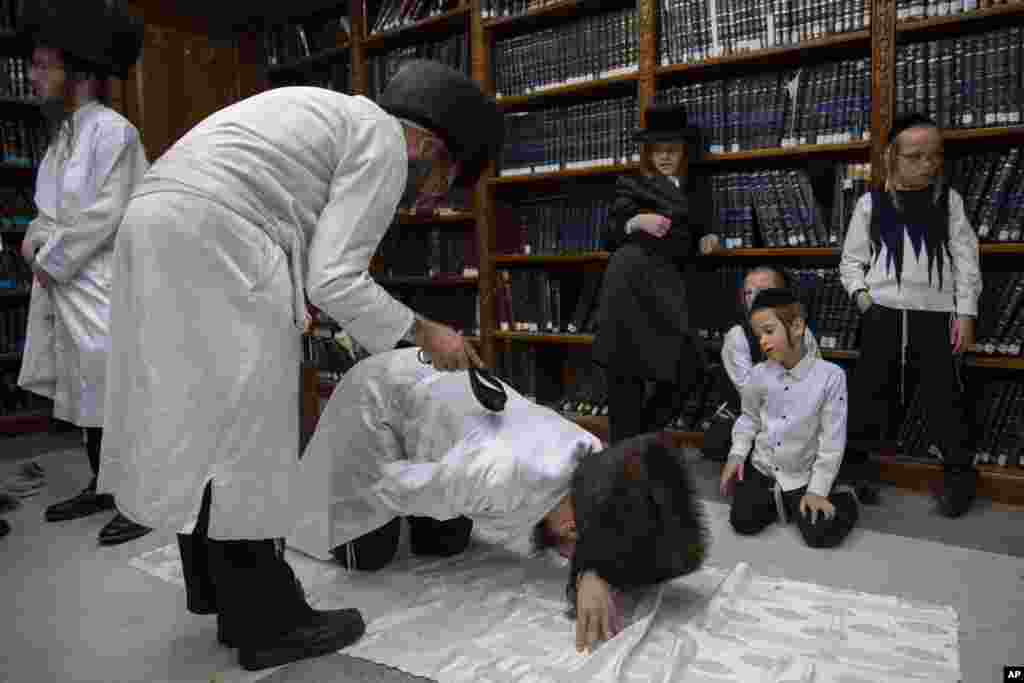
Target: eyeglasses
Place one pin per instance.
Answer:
(920, 158)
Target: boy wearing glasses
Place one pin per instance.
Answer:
(910, 263)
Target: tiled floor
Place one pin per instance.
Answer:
(79, 612)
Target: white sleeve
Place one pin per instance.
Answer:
(748, 424)
(736, 358)
(856, 256)
(963, 244)
(832, 437)
(364, 194)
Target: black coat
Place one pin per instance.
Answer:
(643, 319)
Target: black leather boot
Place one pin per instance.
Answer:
(434, 538)
(959, 489)
(86, 503)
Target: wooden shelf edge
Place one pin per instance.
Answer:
(772, 252)
(539, 338)
(428, 281)
(584, 88)
(970, 134)
(406, 218)
(754, 56)
(503, 23)
(556, 175)
(24, 423)
(909, 27)
(542, 259)
(380, 40)
(783, 152)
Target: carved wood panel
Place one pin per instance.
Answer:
(883, 62)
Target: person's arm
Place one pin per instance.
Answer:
(963, 244)
(117, 163)
(364, 194)
(622, 218)
(856, 257)
(748, 424)
(831, 436)
(811, 343)
(736, 358)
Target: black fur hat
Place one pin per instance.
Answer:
(98, 33)
(638, 519)
(452, 105)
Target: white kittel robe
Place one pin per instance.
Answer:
(84, 182)
(287, 190)
(401, 438)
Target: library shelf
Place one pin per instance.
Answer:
(543, 338)
(569, 173)
(957, 24)
(322, 58)
(777, 252)
(547, 15)
(407, 218)
(979, 360)
(799, 151)
(956, 135)
(550, 259)
(1002, 484)
(24, 423)
(427, 281)
(600, 86)
(437, 26)
(772, 56)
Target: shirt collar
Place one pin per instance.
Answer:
(801, 370)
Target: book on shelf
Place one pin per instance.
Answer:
(542, 302)
(391, 15)
(971, 81)
(567, 223)
(814, 105)
(493, 9)
(437, 252)
(13, 322)
(992, 187)
(696, 30)
(913, 10)
(585, 49)
(583, 135)
(284, 43)
(453, 51)
(23, 142)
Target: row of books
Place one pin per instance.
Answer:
(458, 307)
(592, 47)
(390, 15)
(695, 30)
(23, 143)
(15, 275)
(546, 303)
(13, 399)
(428, 252)
(14, 78)
(912, 10)
(994, 411)
(819, 104)
(1001, 314)
(13, 321)
(286, 43)
(569, 223)
(773, 208)
(453, 51)
(992, 187)
(964, 82)
(492, 9)
(582, 135)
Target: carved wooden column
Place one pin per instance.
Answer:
(357, 54)
(483, 206)
(647, 15)
(883, 84)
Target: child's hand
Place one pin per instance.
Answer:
(653, 224)
(709, 244)
(961, 333)
(814, 504)
(731, 469)
(597, 617)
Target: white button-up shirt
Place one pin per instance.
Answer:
(796, 422)
(737, 358)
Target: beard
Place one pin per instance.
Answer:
(419, 171)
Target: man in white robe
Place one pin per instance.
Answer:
(285, 194)
(92, 164)
(398, 438)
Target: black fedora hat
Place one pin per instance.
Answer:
(667, 123)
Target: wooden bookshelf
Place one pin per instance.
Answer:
(551, 259)
(601, 86)
(773, 57)
(744, 253)
(542, 338)
(548, 15)
(992, 134)
(859, 148)
(323, 58)
(431, 28)
(616, 169)
(930, 28)
(427, 281)
(406, 218)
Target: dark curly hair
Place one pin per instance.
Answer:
(638, 519)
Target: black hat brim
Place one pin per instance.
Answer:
(690, 135)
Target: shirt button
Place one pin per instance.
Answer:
(787, 388)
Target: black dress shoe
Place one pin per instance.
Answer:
(121, 530)
(321, 633)
(86, 503)
(868, 494)
(959, 489)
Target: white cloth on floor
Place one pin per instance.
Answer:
(490, 616)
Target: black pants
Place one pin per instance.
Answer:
(638, 406)
(753, 509)
(875, 408)
(258, 597)
(428, 536)
(93, 443)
